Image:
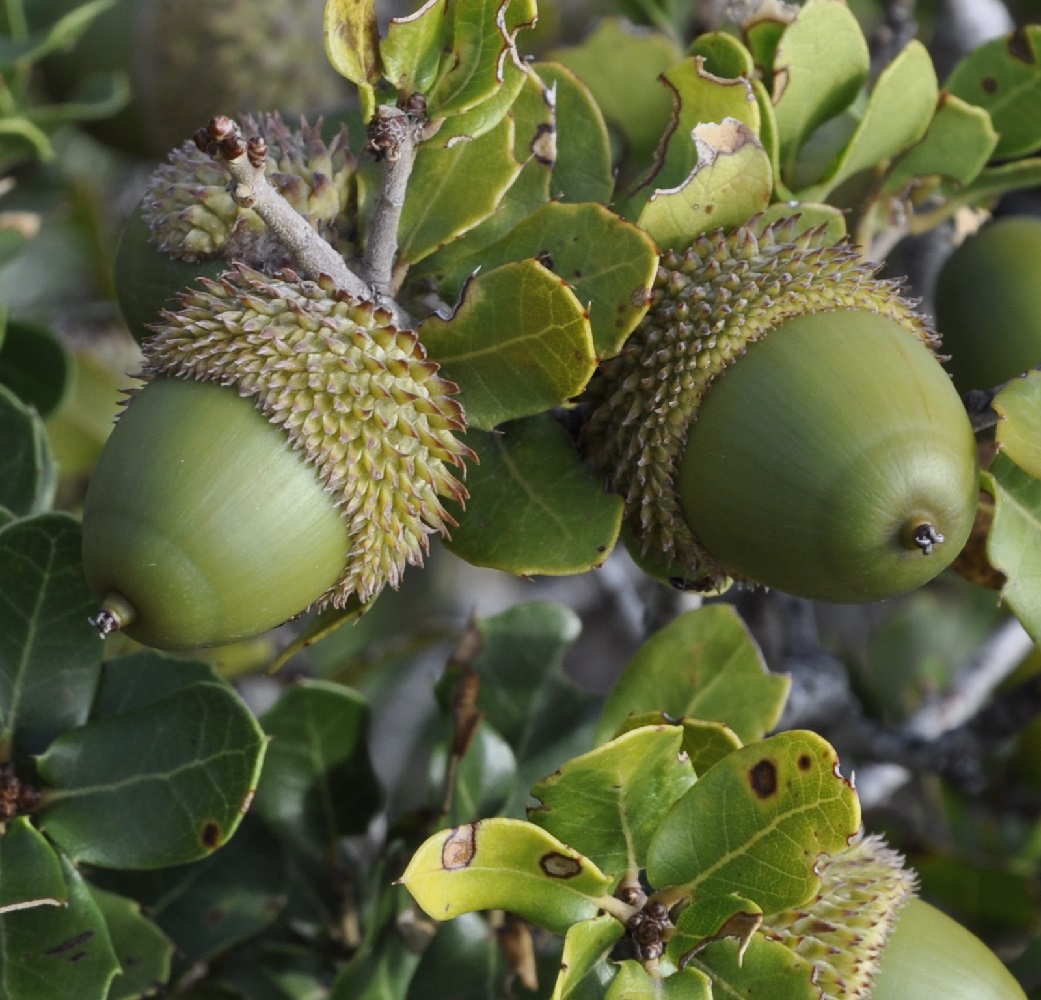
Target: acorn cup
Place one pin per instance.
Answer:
(779, 417)
(289, 451)
(988, 304)
(870, 938)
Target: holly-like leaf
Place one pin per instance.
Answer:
(1003, 76)
(732, 181)
(50, 656)
(764, 969)
(1019, 406)
(505, 864)
(814, 79)
(144, 952)
(609, 802)
(519, 343)
(534, 508)
(756, 823)
(28, 476)
(704, 665)
(179, 797)
(704, 743)
(1014, 543)
(56, 952)
(454, 187)
(318, 784)
(30, 871)
(584, 969)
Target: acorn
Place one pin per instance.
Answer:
(188, 60)
(289, 450)
(869, 937)
(188, 225)
(988, 303)
(780, 417)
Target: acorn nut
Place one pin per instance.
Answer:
(289, 450)
(988, 304)
(779, 417)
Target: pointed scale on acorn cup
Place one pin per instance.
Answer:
(289, 450)
(780, 417)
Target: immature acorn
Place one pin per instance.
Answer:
(779, 417)
(988, 303)
(870, 938)
(288, 451)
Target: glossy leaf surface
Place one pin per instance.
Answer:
(1019, 406)
(584, 971)
(704, 743)
(144, 953)
(30, 871)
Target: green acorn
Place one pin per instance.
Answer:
(188, 225)
(869, 938)
(779, 417)
(988, 304)
(289, 450)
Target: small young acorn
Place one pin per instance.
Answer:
(289, 450)
(988, 303)
(870, 938)
(779, 417)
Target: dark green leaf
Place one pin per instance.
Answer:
(534, 507)
(485, 778)
(1004, 77)
(383, 974)
(140, 678)
(465, 953)
(318, 784)
(62, 34)
(518, 343)
(704, 665)
(30, 871)
(57, 952)
(177, 798)
(35, 366)
(50, 655)
(277, 970)
(756, 822)
(144, 952)
(27, 474)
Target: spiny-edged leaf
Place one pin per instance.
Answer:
(483, 38)
(959, 141)
(518, 343)
(35, 366)
(1019, 405)
(897, 115)
(766, 969)
(1003, 76)
(50, 655)
(453, 188)
(698, 97)
(413, 49)
(756, 822)
(352, 40)
(703, 665)
(144, 676)
(27, 474)
(713, 918)
(30, 871)
(1014, 543)
(176, 798)
(318, 783)
(583, 171)
(505, 864)
(534, 508)
(584, 969)
(143, 950)
(724, 55)
(534, 119)
(57, 952)
(732, 181)
(634, 102)
(208, 906)
(609, 802)
(704, 743)
(821, 62)
(609, 263)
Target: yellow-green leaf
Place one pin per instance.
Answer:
(1019, 430)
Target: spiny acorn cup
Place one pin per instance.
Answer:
(289, 450)
(779, 417)
(869, 938)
